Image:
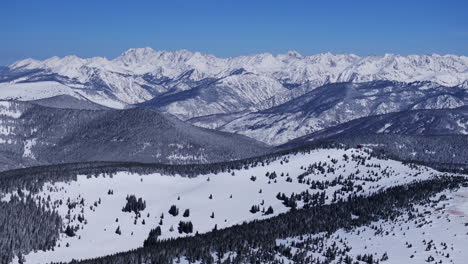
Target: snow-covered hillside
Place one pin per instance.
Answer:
(91, 207)
(34, 91)
(435, 232)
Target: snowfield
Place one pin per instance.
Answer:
(94, 205)
(438, 233)
(46, 89)
(33, 90)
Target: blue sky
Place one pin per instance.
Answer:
(41, 29)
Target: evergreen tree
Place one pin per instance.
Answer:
(153, 236)
(185, 227)
(134, 205)
(69, 231)
(269, 211)
(174, 211)
(186, 213)
(254, 209)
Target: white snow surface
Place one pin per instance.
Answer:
(439, 231)
(33, 90)
(98, 237)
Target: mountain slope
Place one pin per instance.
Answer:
(33, 135)
(411, 237)
(433, 122)
(93, 206)
(333, 104)
(237, 92)
(437, 136)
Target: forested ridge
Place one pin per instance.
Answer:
(32, 178)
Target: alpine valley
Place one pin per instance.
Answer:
(181, 157)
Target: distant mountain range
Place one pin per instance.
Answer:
(270, 98)
(139, 75)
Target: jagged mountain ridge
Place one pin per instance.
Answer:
(139, 75)
(334, 104)
(35, 135)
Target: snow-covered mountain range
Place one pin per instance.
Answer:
(104, 153)
(272, 98)
(141, 74)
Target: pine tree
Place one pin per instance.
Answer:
(186, 213)
(134, 205)
(254, 209)
(174, 211)
(69, 231)
(153, 236)
(185, 227)
(269, 211)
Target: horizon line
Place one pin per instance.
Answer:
(230, 57)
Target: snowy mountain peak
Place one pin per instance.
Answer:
(144, 50)
(135, 56)
(325, 67)
(294, 54)
(137, 75)
(24, 63)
